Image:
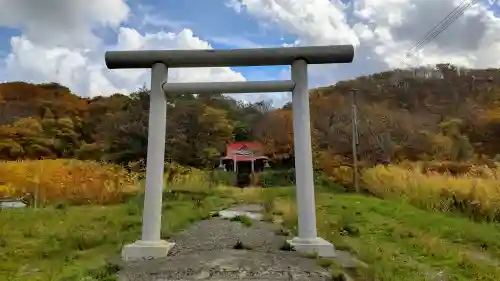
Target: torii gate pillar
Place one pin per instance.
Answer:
(150, 245)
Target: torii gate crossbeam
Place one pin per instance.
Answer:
(150, 245)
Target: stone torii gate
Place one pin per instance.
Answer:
(150, 245)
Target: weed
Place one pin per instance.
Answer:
(399, 241)
(349, 229)
(245, 220)
(108, 272)
(474, 192)
(28, 233)
(312, 255)
(63, 181)
(325, 263)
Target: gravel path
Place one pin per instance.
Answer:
(218, 233)
(206, 251)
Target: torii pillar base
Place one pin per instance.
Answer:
(317, 246)
(146, 250)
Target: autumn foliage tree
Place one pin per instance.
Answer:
(450, 119)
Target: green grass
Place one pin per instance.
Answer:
(399, 242)
(76, 242)
(244, 220)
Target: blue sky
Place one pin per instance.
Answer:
(5, 34)
(62, 41)
(213, 21)
(204, 17)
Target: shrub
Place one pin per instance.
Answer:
(329, 183)
(223, 178)
(187, 179)
(277, 178)
(475, 193)
(65, 180)
(273, 178)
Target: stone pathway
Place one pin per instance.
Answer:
(223, 249)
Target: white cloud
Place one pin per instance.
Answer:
(471, 40)
(59, 44)
(83, 70)
(382, 30)
(60, 40)
(235, 42)
(234, 4)
(71, 67)
(314, 22)
(149, 16)
(63, 23)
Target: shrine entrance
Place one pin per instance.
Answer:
(246, 160)
(150, 245)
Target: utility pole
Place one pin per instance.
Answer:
(355, 139)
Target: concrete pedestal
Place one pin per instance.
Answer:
(146, 250)
(317, 245)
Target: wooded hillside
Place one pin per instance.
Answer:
(455, 118)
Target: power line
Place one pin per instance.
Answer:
(433, 33)
(430, 32)
(440, 27)
(449, 21)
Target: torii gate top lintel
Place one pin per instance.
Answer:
(236, 57)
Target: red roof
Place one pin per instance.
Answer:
(243, 157)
